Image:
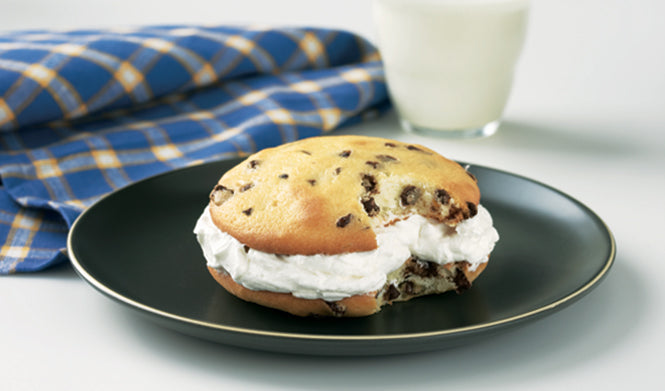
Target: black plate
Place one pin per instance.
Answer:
(137, 247)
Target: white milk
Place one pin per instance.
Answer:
(449, 63)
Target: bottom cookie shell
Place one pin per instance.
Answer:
(415, 278)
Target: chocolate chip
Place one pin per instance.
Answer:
(220, 194)
(442, 196)
(473, 209)
(346, 153)
(248, 211)
(246, 187)
(386, 158)
(369, 183)
(344, 220)
(373, 164)
(306, 152)
(336, 308)
(407, 287)
(253, 163)
(284, 176)
(461, 282)
(311, 181)
(338, 170)
(422, 268)
(453, 212)
(391, 293)
(410, 195)
(472, 176)
(371, 208)
(414, 148)
(391, 145)
(246, 248)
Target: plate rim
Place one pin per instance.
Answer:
(532, 314)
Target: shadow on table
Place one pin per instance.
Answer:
(582, 139)
(598, 323)
(61, 271)
(515, 134)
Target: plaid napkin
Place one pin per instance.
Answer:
(83, 113)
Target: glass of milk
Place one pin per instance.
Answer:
(450, 63)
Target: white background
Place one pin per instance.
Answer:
(587, 116)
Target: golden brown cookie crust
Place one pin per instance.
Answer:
(324, 195)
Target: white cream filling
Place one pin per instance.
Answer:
(334, 277)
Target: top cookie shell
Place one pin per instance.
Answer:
(325, 195)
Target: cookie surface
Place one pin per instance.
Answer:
(325, 195)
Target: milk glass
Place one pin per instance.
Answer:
(449, 64)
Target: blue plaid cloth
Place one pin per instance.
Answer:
(83, 113)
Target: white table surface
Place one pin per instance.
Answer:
(587, 116)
